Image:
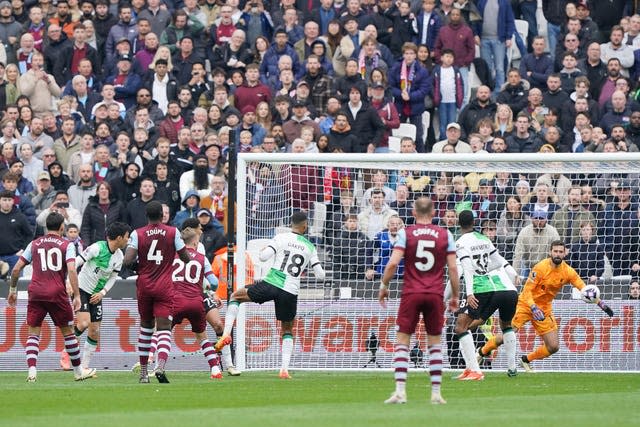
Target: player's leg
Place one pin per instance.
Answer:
(551, 344)
(147, 323)
(93, 335)
(198, 319)
(432, 308)
(467, 348)
(406, 321)
(32, 349)
(287, 348)
(36, 313)
(163, 328)
(507, 303)
(214, 319)
(259, 293)
(286, 310)
(90, 344)
(522, 316)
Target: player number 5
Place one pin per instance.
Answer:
(423, 252)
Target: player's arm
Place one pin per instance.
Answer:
(24, 259)
(86, 255)
(527, 293)
(496, 259)
(467, 273)
(318, 271)
(267, 252)
(209, 276)
(131, 254)
(454, 275)
(72, 275)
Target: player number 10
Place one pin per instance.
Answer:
(423, 252)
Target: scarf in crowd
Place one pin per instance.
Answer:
(407, 74)
(335, 178)
(362, 62)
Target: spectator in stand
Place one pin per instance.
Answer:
(387, 111)
(84, 188)
(594, 69)
(457, 36)
(569, 219)
(533, 242)
(618, 229)
(374, 218)
(252, 92)
(364, 121)
(39, 86)
(452, 140)
(448, 91)
(101, 211)
(125, 82)
(634, 290)
(379, 251)
(481, 106)
(16, 229)
(524, 139)
(349, 250)
(125, 28)
(616, 49)
(510, 222)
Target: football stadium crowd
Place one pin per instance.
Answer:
(108, 105)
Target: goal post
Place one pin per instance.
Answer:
(340, 324)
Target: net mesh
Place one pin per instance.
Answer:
(356, 203)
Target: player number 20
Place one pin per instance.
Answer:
(423, 252)
(191, 271)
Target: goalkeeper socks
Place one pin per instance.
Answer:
(400, 366)
(73, 349)
(209, 353)
(467, 349)
(539, 353)
(489, 347)
(509, 339)
(287, 350)
(230, 316)
(90, 346)
(144, 342)
(164, 348)
(32, 349)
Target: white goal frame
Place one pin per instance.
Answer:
(562, 162)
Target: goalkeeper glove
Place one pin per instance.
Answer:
(537, 313)
(605, 308)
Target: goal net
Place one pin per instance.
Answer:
(356, 203)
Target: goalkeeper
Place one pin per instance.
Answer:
(535, 302)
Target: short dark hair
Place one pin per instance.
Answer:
(54, 221)
(466, 219)
(6, 194)
(190, 223)
(154, 211)
(117, 229)
(557, 243)
(298, 218)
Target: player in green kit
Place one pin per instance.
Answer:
(292, 252)
(101, 263)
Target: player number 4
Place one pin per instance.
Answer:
(423, 252)
(154, 254)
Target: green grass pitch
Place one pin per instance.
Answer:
(310, 399)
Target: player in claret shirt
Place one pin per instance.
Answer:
(53, 259)
(426, 250)
(155, 246)
(292, 252)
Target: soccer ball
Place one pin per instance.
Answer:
(590, 294)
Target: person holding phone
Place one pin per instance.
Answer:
(61, 205)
